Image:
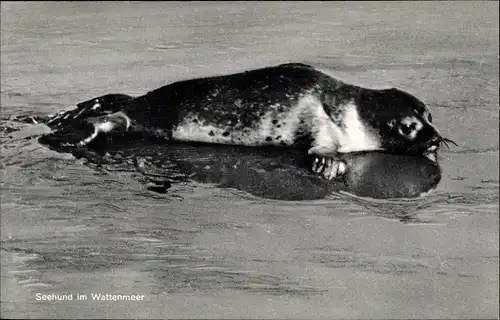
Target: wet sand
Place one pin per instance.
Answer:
(201, 251)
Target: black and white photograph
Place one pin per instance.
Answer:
(249, 160)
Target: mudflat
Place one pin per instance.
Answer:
(202, 251)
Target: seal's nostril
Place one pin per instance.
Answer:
(435, 141)
(433, 144)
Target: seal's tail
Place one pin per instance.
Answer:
(79, 126)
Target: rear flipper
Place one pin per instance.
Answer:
(80, 132)
(96, 107)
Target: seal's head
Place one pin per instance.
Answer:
(402, 121)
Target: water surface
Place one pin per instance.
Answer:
(220, 252)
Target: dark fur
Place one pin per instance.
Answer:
(238, 101)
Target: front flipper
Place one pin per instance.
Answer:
(326, 163)
(81, 132)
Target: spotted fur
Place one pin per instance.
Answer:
(290, 105)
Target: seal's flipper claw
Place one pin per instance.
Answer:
(321, 165)
(318, 164)
(328, 167)
(335, 170)
(314, 164)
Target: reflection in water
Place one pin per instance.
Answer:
(69, 228)
(272, 173)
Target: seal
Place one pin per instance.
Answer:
(290, 105)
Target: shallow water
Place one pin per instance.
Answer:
(219, 252)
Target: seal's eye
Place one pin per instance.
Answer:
(430, 117)
(409, 127)
(409, 130)
(406, 129)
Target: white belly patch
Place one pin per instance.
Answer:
(280, 128)
(273, 128)
(356, 136)
(353, 135)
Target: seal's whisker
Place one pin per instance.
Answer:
(450, 141)
(447, 142)
(442, 141)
